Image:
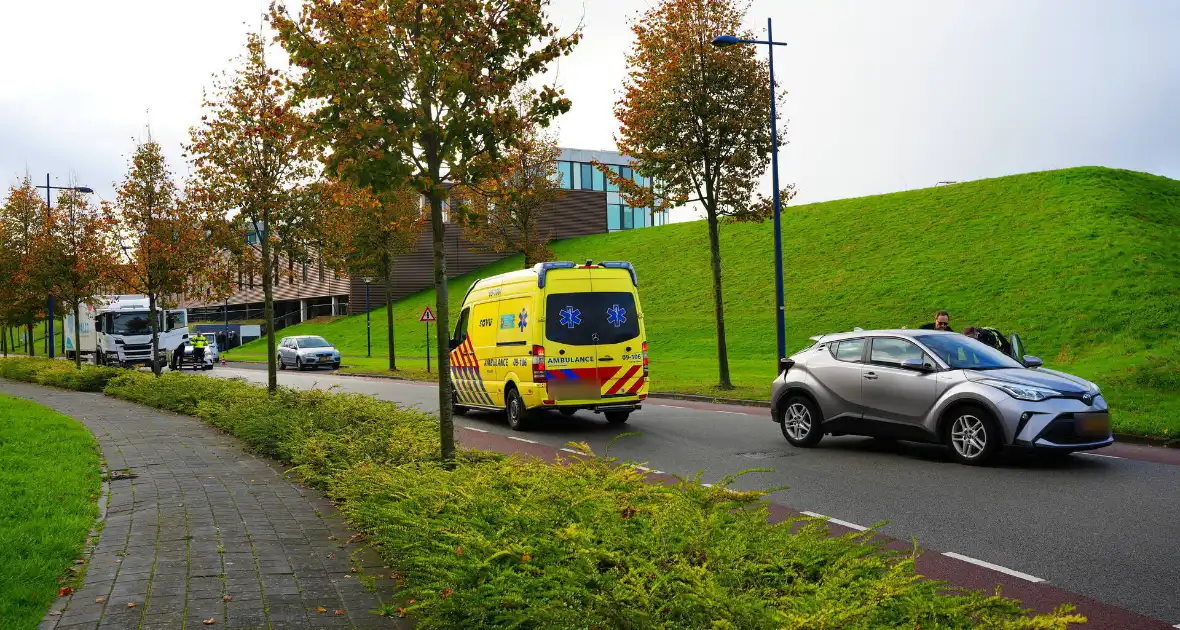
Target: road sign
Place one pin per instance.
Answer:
(427, 315)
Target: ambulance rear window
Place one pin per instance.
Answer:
(586, 319)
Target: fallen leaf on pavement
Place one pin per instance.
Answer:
(131, 604)
(321, 609)
(339, 612)
(210, 621)
(228, 598)
(99, 600)
(63, 591)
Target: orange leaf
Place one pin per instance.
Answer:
(63, 591)
(210, 621)
(99, 600)
(321, 609)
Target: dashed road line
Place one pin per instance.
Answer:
(859, 528)
(520, 439)
(475, 429)
(1101, 455)
(736, 413)
(993, 567)
(570, 450)
(707, 485)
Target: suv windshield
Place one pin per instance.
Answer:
(313, 342)
(965, 353)
(586, 319)
(131, 324)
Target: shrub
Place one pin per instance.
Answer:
(521, 543)
(55, 373)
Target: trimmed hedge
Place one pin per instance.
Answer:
(507, 542)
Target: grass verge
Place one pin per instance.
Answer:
(49, 482)
(497, 542)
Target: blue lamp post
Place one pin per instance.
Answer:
(368, 322)
(49, 333)
(722, 41)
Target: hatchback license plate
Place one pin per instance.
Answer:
(1092, 424)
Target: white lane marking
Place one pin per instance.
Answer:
(707, 485)
(859, 528)
(511, 437)
(644, 468)
(993, 567)
(570, 450)
(1101, 455)
(475, 429)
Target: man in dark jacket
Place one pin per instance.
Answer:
(942, 321)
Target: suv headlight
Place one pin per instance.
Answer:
(1022, 392)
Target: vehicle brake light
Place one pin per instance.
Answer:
(539, 375)
(645, 359)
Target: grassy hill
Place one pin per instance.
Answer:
(1082, 262)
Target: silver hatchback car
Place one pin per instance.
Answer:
(939, 387)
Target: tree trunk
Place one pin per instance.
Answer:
(442, 313)
(723, 381)
(4, 341)
(77, 336)
(32, 347)
(154, 320)
(389, 310)
(268, 307)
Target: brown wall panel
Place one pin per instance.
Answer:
(577, 213)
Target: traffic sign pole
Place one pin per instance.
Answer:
(427, 316)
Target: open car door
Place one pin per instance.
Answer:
(1017, 351)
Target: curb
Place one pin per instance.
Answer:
(743, 402)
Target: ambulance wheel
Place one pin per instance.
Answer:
(514, 407)
(617, 417)
(456, 408)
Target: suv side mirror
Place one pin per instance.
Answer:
(917, 365)
(1032, 362)
(784, 365)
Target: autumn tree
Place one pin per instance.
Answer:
(165, 252)
(77, 255)
(369, 231)
(505, 210)
(22, 288)
(694, 118)
(251, 161)
(414, 93)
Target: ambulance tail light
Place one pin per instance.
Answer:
(539, 375)
(645, 359)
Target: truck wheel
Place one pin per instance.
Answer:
(100, 358)
(514, 406)
(617, 417)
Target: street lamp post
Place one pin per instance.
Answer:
(368, 321)
(49, 333)
(722, 41)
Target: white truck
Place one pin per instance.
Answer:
(117, 331)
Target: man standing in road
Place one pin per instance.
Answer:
(199, 343)
(942, 321)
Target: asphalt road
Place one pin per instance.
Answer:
(1105, 527)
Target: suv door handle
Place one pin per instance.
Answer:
(870, 375)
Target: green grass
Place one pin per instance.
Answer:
(49, 480)
(1082, 262)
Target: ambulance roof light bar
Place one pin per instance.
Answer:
(543, 268)
(622, 265)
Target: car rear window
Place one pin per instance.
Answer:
(586, 319)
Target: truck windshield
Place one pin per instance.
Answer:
(131, 323)
(586, 319)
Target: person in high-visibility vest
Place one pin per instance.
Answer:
(199, 344)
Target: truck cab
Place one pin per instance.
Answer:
(118, 331)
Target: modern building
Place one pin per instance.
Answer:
(575, 167)
(589, 205)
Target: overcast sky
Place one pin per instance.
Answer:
(883, 96)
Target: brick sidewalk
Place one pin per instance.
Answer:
(203, 519)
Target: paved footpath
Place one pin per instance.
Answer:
(204, 530)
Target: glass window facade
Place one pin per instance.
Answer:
(619, 216)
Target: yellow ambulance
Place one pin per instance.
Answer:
(559, 336)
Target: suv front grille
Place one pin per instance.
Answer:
(1061, 431)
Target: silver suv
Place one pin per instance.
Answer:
(939, 387)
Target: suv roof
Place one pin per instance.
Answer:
(898, 332)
